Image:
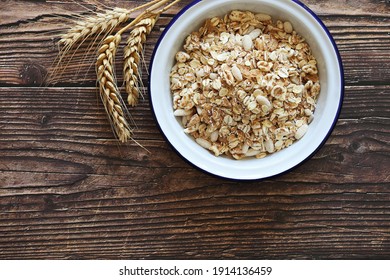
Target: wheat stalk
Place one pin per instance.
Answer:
(108, 89)
(132, 57)
(104, 25)
(109, 92)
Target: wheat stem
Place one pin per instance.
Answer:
(147, 11)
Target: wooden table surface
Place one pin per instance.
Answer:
(68, 190)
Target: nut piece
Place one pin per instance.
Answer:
(288, 27)
(204, 143)
(255, 33)
(269, 146)
(301, 131)
(247, 43)
(252, 153)
(263, 17)
(263, 101)
(182, 113)
(222, 57)
(214, 136)
(236, 73)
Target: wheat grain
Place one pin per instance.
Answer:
(132, 57)
(109, 92)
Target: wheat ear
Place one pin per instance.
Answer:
(108, 89)
(109, 92)
(132, 57)
(93, 25)
(100, 23)
(134, 48)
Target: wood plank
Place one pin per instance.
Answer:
(38, 10)
(71, 132)
(173, 217)
(28, 49)
(77, 112)
(68, 190)
(262, 220)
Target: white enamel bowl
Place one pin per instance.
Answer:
(307, 24)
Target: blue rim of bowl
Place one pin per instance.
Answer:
(342, 92)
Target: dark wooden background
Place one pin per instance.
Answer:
(69, 191)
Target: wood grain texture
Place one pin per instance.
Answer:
(68, 190)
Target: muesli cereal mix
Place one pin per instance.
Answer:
(245, 86)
